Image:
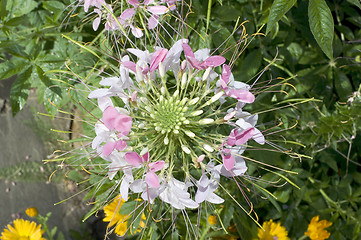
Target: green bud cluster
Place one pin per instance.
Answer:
(169, 115)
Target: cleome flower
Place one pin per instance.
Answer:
(166, 130)
(151, 10)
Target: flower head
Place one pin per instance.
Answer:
(31, 211)
(272, 231)
(165, 142)
(316, 229)
(212, 219)
(22, 229)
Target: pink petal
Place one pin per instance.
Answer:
(123, 124)
(231, 141)
(134, 3)
(146, 2)
(145, 157)
(158, 10)
(226, 73)
(153, 22)
(130, 65)
(228, 161)
(127, 14)
(156, 166)
(157, 57)
(187, 50)
(108, 148)
(134, 96)
(190, 56)
(229, 116)
(212, 61)
(152, 180)
(133, 159)
(243, 137)
(242, 95)
(109, 115)
(194, 63)
(121, 145)
(113, 120)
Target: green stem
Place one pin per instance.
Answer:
(208, 14)
(205, 232)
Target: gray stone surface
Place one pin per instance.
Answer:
(19, 143)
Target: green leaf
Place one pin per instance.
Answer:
(355, 2)
(14, 49)
(250, 65)
(53, 231)
(16, 21)
(226, 13)
(321, 24)
(52, 100)
(282, 195)
(22, 7)
(278, 10)
(8, 69)
(343, 85)
(75, 176)
(53, 5)
(127, 207)
(3, 12)
(42, 77)
(60, 236)
(20, 90)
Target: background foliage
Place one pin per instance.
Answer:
(317, 47)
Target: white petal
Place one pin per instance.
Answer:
(258, 136)
(138, 186)
(102, 92)
(213, 198)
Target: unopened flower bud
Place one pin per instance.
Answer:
(206, 121)
(201, 158)
(162, 90)
(208, 148)
(186, 149)
(189, 134)
(161, 70)
(206, 74)
(196, 113)
(193, 101)
(31, 211)
(166, 140)
(183, 65)
(139, 73)
(215, 98)
(184, 80)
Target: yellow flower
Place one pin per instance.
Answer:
(272, 231)
(212, 220)
(31, 211)
(316, 230)
(22, 230)
(114, 218)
